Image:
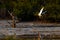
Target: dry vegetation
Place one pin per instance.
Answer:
(55, 37)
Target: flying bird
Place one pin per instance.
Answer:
(41, 12)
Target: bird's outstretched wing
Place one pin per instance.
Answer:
(44, 12)
(39, 14)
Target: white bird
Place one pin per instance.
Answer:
(39, 14)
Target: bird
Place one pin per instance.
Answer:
(41, 12)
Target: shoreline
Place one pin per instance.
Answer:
(43, 22)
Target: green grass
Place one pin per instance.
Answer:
(25, 38)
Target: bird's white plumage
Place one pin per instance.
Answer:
(39, 14)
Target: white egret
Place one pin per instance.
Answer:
(41, 12)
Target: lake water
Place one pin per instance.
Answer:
(34, 30)
(27, 28)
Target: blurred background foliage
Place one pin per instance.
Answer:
(26, 10)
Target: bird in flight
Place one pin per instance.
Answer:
(41, 12)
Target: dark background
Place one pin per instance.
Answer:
(27, 10)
